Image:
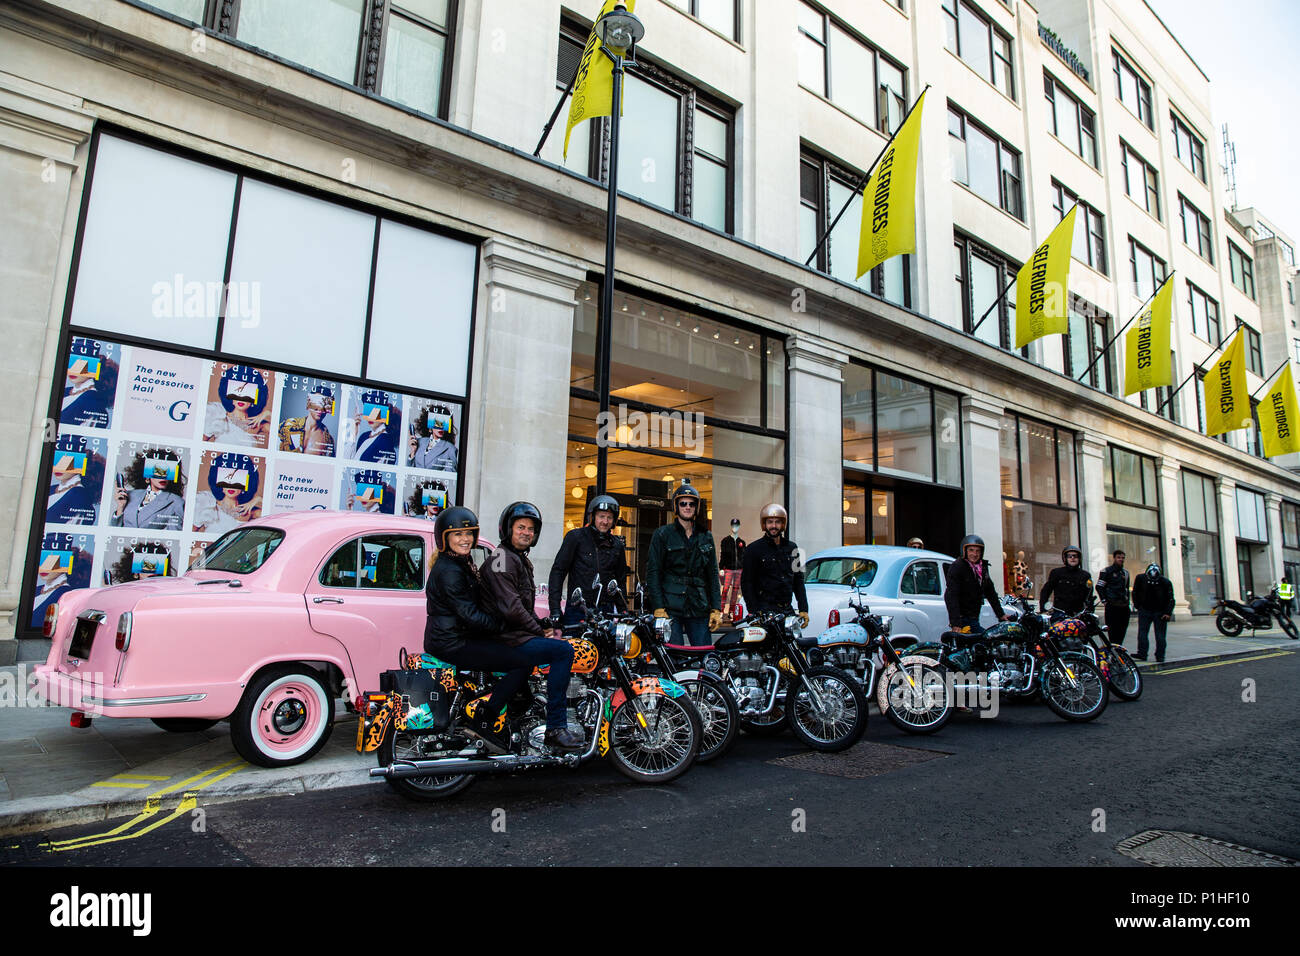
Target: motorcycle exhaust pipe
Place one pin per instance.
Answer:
(477, 765)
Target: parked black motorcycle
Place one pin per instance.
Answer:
(1232, 617)
(1092, 639)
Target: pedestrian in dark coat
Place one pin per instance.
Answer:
(1153, 596)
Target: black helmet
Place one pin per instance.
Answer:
(685, 490)
(518, 509)
(1153, 571)
(454, 519)
(968, 540)
(602, 503)
(1067, 549)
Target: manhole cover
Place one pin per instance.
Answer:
(862, 760)
(1173, 848)
(20, 747)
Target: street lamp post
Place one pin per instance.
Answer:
(619, 32)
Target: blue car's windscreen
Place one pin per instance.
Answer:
(840, 571)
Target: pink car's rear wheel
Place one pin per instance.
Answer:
(285, 717)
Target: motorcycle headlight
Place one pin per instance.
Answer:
(793, 624)
(663, 628)
(624, 638)
(886, 624)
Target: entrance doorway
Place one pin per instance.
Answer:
(879, 509)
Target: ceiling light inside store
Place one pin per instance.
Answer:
(751, 346)
(679, 323)
(882, 511)
(643, 311)
(716, 334)
(710, 514)
(668, 477)
(696, 329)
(846, 504)
(661, 316)
(577, 491)
(625, 305)
(736, 341)
(589, 471)
(587, 297)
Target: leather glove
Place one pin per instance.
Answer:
(715, 620)
(660, 612)
(803, 617)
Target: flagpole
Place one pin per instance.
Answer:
(1017, 275)
(556, 115)
(1189, 377)
(1270, 377)
(861, 183)
(1106, 347)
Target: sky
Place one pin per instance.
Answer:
(1248, 49)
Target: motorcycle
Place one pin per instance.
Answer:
(645, 725)
(1231, 617)
(764, 664)
(1018, 659)
(910, 691)
(1092, 639)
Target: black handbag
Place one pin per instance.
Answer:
(426, 686)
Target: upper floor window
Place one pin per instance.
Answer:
(1071, 122)
(1188, 147)
(824, 188)
(1133, 91)
(1254, 354)
(836, 64)
(1205, 315)
(679, 153)
(1089, 227)
(1242, 268)
(985, 163)
(402, 55)
(1087, 345)
(981, 274)
(1141, 181)
(721, 15)
(1148, 269)
(981, 44)
(1196, 229)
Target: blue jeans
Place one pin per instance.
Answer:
(696, 630)
(518, 663)
(1145, 620)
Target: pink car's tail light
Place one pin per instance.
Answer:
(51, 620)
(123, 632)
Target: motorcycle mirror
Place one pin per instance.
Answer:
(576, 596)
(853, 583)
(595, 582)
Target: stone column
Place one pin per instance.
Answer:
(43, 149)
(1273, 508)
(1226, 490)
(982, 477)
(1167, 473)
(1092, 501)
(520, 401)
(816, 472)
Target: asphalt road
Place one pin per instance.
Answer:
(1023, 789)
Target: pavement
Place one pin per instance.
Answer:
(52, 775)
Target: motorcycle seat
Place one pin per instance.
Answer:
(804, 641)
(958, 639)
(689, 648)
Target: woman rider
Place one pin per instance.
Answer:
(460, 630)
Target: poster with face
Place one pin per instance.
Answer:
(367, 489)
(230, 491)
(76, 480)
(90, 383)
(423, 496)
(197, 549)
(431, 433)
(149, 486)
(239, 406)
(64, 564)
(299, 484)
(160, 392)
(138, 559)
(373, 426)
(309, 415)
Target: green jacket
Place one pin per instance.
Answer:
(682, 573)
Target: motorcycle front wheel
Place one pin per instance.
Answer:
(1288, 626)
(835, 718)
(1083, 698)
(1124, 677)
(719, 715)
(1228, 626)
(399, 745)
(920, 706)
(665, 748)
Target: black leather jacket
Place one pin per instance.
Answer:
(455, 602)
(1070, 589)
(584, 553)
(966, 591)
(769, 579)
(1113, 585)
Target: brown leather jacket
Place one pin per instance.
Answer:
(508, 581)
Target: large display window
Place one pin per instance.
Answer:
(1132, 510)
(1039, 503)
(212, 373)
(1198, 505)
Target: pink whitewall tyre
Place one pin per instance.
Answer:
(284, 718)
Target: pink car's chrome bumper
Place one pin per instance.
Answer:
(89, 693)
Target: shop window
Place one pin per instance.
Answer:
(894, 425)
(1039, 504)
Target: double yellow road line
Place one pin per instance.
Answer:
(153, 805)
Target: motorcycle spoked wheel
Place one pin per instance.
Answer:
(719, 715)
(922, 709)
(1288, 627)
(843, 720)
(1083, 699)
(1228, 626)
(403, 746)
(1123, 675)
(668, 746)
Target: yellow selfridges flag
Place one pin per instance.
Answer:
(889, 198)
(1147, 357)
(1279, 419)
(1042, 305)
(593, 90)
(1227, 402)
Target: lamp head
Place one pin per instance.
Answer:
(619, 30)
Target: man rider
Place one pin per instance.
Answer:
(585, 553)
(462, 631)
(1153, 596)
(969, 585)
(681, 576)
(1071, 584)
(1113, 589)
(773, 571)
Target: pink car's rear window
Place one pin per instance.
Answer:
(241, 551)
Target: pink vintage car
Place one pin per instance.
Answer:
(286, 614)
